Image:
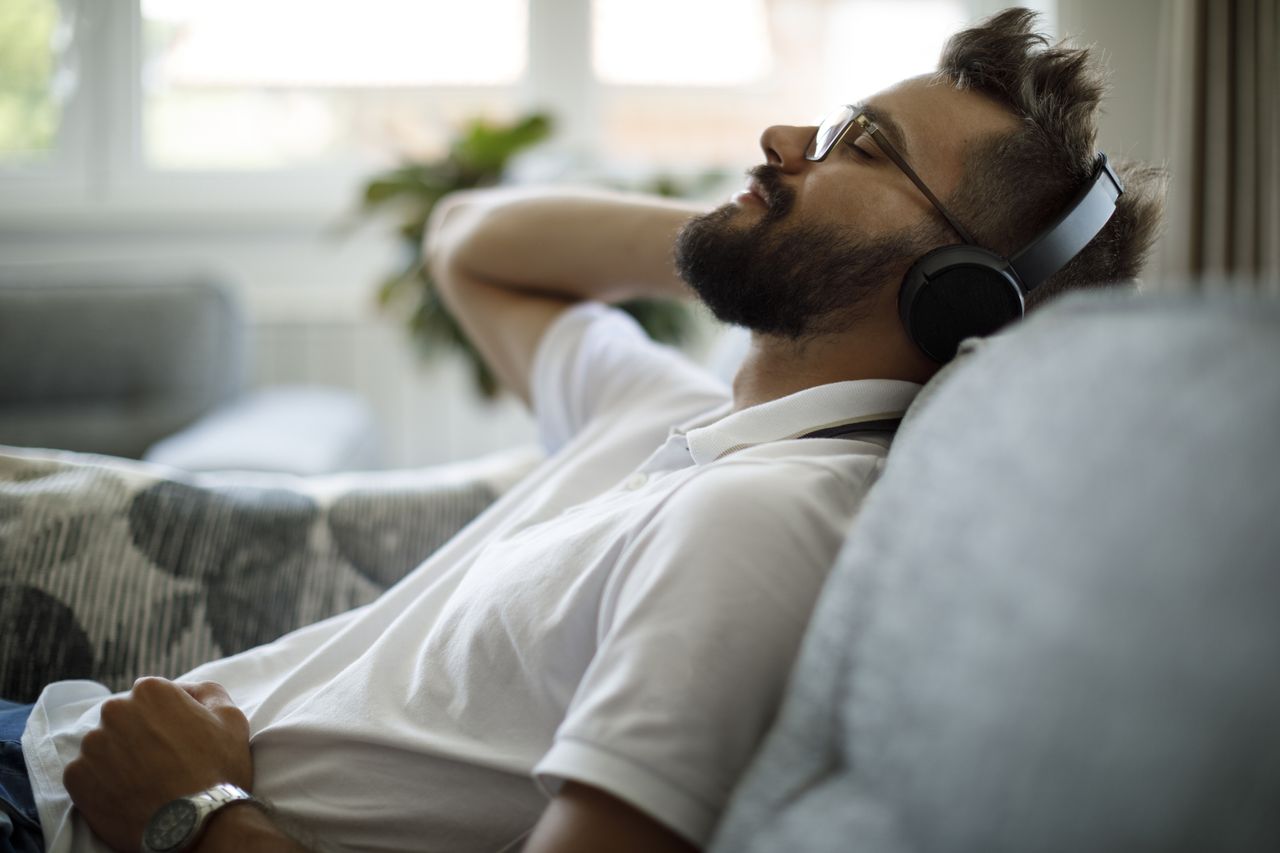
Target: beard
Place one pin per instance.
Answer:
(791, 280)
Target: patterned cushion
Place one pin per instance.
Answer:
(111, 569)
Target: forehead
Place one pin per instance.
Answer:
(938, 121)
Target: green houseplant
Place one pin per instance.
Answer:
(477, 157)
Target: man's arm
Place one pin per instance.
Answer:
(508, 262)
(170, 740)
(162, 742)
(583, 819)
(247, 829)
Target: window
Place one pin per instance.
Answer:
(246, 84)
(35, 77)
(217, 107)
(766, 62)
(680, 43)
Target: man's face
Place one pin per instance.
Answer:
(806, 245)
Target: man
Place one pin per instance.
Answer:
(619, 627)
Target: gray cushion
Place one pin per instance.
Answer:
(1056, 624)
(110, 359)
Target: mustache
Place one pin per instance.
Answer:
(778, 196)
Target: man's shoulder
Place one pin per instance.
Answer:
(742, 503)
(597, 365)
(786, 472)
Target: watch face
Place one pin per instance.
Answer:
(171, 826)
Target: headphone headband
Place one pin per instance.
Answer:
(1083, 218)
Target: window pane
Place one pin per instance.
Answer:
(253, 84)
(702, 42)
(890, 40)
(819, 53)
(33, 47)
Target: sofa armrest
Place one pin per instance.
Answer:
(292, 429)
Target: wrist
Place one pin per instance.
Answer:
(243, 827)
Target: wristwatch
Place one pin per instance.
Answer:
(177, 824)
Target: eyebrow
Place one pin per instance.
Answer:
(891, 128)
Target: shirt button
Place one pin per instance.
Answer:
(637, 480)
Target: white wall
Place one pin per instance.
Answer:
(1127, 32)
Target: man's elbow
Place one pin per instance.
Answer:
(444, 235)
(586, 819)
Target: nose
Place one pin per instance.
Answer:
(784, 145)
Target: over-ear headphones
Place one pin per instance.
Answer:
(957, 292)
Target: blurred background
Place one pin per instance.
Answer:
(259, 141)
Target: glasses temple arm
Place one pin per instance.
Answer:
(915, 179)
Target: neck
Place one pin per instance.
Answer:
(775, 367)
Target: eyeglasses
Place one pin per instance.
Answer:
(834, 128)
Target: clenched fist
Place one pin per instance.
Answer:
(161, 742)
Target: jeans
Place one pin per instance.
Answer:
(19, 824)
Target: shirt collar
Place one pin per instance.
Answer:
(720, 433)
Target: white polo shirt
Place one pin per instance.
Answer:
(625, 617)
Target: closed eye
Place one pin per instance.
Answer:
(859, 151)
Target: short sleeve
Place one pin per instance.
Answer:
(597, 361)
(698, 635)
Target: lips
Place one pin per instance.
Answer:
(754, 187)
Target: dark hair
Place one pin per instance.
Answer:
(1016, 184)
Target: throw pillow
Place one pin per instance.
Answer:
(111, 569)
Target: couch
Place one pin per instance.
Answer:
(149, 362)
(1055, 625)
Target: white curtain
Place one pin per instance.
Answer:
(1220, 133)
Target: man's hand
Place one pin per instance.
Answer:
(163, 741)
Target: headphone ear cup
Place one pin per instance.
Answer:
(954, 293)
